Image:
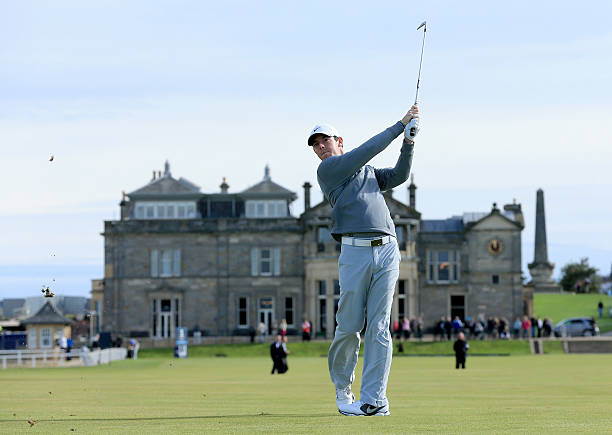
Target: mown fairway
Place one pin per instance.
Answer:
(517, 394)
(561, 306)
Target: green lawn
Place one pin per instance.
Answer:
(320, 348)
(560, 306)
(516, 394)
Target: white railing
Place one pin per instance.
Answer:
(103, 356)
(56, 357)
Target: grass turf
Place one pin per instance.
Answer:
(320, 348)
(518, 394)
(559, 306)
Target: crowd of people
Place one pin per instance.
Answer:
(492, 328)
(406, 328)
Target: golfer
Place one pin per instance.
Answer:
(368, 266)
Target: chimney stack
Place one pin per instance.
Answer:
(125, 207)
(153, 176)
(267, 173)
(516, 209)
(306, 187)
(412, 191)
(224, 186)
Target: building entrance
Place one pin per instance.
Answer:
(165, 317)
(266, 314)
(457, 303)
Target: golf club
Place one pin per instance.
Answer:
(424, 25)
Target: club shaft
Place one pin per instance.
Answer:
(416, 97)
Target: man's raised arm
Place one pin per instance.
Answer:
(334, 170)
(389, 178)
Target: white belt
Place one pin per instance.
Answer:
(353, 241)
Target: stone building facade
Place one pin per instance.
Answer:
(219, 263)
(224, 262)
(470, 266)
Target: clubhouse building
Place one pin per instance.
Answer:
(224, 262)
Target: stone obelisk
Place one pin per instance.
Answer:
(541, 269)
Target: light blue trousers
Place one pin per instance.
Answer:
(367, 283)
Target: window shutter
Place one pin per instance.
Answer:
(276, 261)
(254, 262)
(177, 262)
(154, 263)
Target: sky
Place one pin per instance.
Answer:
(515, 96)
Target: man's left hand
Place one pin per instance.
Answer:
(412, 113)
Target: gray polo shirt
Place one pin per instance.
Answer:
(354, 189)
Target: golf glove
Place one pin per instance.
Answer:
(412, 129)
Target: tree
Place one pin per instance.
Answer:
(580, 277)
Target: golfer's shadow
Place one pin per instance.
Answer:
(194, 417)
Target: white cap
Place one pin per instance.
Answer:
(325, 129)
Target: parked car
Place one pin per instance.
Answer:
(576, 327)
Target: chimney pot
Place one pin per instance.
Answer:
(307, 187)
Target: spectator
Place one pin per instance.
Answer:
(261, 331)
(283, 328)
(491, 327)
(439, 329)
(540, 325)
(460, 347)
(516, 329)
(457, 326)
(526, 326)
(395, 330)
(419, 328)
(479, 330)
(533, 327)
(69, 347)
(277, 353)
(502, 329)
(448, 327)
(470, 325)
(133, 346)
(252, 333)
(494, 326)
(406, 328)
(306, 330)
(547, 327)
(600, 307)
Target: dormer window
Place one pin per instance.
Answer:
(164, 210)
(266, 209)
